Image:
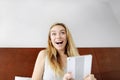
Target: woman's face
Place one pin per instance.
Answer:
(58, 37)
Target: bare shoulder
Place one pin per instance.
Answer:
(39, 65)
(42, 53)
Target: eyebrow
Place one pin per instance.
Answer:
(60, 30)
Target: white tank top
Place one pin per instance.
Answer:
(49, 73)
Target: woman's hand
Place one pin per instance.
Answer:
(68, 76)
(90, 77)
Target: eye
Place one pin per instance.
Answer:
(53, 34)
(63, 32)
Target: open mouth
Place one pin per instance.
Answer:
(59, 42)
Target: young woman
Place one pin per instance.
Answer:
(51, 62)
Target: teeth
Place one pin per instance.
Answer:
(59, 42)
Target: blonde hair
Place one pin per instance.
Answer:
(53, 56)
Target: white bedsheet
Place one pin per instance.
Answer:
(22, 78)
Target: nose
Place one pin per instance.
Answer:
(58, 36)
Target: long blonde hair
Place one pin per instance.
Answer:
(53, 56)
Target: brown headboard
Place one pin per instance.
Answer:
(20, 62)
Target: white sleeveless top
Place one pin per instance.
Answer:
(49, 73)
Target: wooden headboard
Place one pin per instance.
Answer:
(20, 62)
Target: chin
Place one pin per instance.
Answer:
(60, 49)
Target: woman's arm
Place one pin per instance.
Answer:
(39, 66)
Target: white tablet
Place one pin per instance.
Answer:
(80, 66)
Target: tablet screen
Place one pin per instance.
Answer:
(80, 66)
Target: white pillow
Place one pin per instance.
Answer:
(22, 78)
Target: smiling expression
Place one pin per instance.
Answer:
(58, 37)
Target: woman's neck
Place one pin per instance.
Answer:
(61, 53)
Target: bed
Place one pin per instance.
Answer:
(19, 62)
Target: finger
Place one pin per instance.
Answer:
(70, 76)
(86, 77)
(90, 77)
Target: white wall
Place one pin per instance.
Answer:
(25, 23)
